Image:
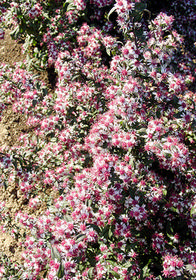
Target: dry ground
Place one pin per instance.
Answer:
(11, 126)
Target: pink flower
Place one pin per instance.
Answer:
(173, 266)
(35, 11)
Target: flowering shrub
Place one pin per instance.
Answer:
(2, 19)
(49, 27)
(116, 139)
(184, 18)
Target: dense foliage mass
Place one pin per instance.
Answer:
(116, 139)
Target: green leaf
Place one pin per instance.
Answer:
(193, 211)
(95, 227)
(168, 155)
(146, 270)
(115, 274)
(158, 113)
(110, 233)
(140, 6)
(80, 237)
(174, 209)
(90, 272)
(105, 231)
(111, 11)
(15, 33)
(114, 263)
(55, 254)
(193, 125)
(68, 218)
(34, 102)
(14, 162)
(5, 185)
(140, 34)
(142, 131)
(91, 257)
(165, 192)
(175, 100)
(64, 4)
(128, 264)
(108, 51)
(190, 267)
(89, 203)
(60, 272)
(132, 162)
(71, 7)
(138, 11)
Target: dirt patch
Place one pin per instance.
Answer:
(10, 247)
(10, 50)
(12, 125)
(13, 235)
(3, 134)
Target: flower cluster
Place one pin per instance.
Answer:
(115, 140)
(3, 9)
(172, 266)
(50, 27)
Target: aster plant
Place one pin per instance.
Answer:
(116, 141)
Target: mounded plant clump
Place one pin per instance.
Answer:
(115, 139)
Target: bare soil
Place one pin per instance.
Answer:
(11, 127)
